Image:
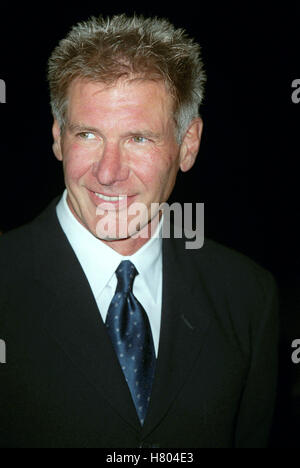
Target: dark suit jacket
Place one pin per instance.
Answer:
(286, 427)
(62, 385)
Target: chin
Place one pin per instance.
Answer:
(111, 239)
(113, 236)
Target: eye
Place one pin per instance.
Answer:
(86, 135)
(139, 139)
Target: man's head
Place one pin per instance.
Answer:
(125, 96)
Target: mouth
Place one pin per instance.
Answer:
(110, 199)
(115, 200)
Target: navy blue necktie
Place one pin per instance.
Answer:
(129, 328)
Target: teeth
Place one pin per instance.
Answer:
(104, 197)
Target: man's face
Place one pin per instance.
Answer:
(118, 141)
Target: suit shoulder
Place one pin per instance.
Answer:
(18, 245)
(15, 237)
(13, 242)
(230, 271)
(232, 262)
(238, 285)
(17, 240)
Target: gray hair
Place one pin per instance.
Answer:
(106, 49)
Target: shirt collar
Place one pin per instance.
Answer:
(99, 261)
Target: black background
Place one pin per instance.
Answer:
(247, 169)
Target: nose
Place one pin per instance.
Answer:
(111, 166)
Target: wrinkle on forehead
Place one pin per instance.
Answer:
(136, 102)
(80, 84)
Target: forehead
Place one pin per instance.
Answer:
(128, 97)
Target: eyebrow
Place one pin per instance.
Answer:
(82, 128)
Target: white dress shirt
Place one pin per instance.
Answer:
(99, 263)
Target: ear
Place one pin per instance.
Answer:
(190, 144)
(56, 140)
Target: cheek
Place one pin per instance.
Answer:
(76, 162)
(157, 171)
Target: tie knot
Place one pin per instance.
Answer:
(126, 272)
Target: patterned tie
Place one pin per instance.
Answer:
(129, 329)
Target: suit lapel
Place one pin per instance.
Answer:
(186, 312)
(73, 319)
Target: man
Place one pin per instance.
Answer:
(117, 336)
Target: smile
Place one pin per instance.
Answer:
(106, 198)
